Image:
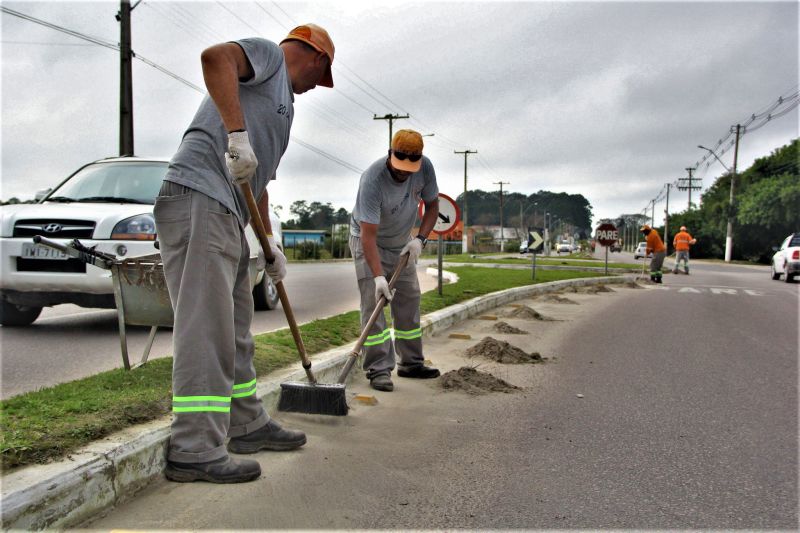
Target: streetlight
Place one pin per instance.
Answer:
(428, 135)
(729, 232)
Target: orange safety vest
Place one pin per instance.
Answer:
(654, 242)
(682, 241)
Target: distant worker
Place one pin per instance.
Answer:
(655, 246)
(380, 233)
(682, 242)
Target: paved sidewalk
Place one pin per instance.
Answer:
(113, 470)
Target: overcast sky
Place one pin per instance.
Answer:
(609, 100)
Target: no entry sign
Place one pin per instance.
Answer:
(606, 234)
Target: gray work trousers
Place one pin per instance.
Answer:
(656, 263)
(682, 254)
(206, 258)
(380, 351)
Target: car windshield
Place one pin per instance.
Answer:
(114, 181)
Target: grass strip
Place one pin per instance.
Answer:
(540, 261)
(51, 423)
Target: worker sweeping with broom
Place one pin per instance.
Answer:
(233, 144)
(380, 235)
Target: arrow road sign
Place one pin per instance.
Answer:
(444, 218)
(449, 214)
(535, 241)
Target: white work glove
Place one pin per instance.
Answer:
(240, 158)
(277, 269)
(413, 248)
(382, 289)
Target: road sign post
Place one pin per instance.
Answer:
(448, 218)
(606, 234)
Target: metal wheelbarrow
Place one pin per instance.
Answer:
(140, 290)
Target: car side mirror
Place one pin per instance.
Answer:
(775, 248)
(41, 193)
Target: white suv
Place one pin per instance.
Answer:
(107, 204)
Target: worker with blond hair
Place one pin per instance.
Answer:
(656, 247)
(682, 241)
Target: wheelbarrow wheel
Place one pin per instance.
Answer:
(265, 295)
(18, 315)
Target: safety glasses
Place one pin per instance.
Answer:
(402, 156)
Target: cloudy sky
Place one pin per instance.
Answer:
(609, 100)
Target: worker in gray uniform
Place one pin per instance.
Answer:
(380, 233)
(237, 136)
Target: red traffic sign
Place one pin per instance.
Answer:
(606, 234)
(449, 214)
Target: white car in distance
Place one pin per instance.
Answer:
(107, 204)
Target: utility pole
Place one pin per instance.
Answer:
(731, 208)
(125, 80)
(653, 213)
(666, 220)
(465, 236)
(391, 118)
(685, 184)
(502, 239)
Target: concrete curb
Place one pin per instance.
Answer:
(108, 472)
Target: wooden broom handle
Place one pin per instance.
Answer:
(261, 233)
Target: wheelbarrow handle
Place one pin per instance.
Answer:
(79, 251)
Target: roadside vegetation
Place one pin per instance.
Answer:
(52, 423)
(575, 260)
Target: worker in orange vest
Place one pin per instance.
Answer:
(682, 242)
(655, 246)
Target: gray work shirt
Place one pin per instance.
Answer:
(390, 204)
(267, 103)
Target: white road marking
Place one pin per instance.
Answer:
(712, 290)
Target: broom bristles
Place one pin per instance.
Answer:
(315, 399)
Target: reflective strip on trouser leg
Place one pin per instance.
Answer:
(201, 404)
(378, 338)
(405, 316)
(656, 262)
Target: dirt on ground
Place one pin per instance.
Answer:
(553, 297)
(502, 352)
(594, 289)
(505, 327)
(632, 285)
(472, 381)
(526, 312)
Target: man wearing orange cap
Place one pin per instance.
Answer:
(237, 136)
(380, 233)
(656, 247)
(682, 241)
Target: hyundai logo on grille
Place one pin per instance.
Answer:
(52, 228)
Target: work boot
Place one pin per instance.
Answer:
(270, 436)
(419, 372)
(687, 271)
(658, 279)
(675, 271)
(382, 382)
(223, 470)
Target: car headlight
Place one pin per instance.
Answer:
(138, 228)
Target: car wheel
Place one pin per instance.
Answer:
(265, 295)
(18, 315)
(775, 275)
(786, 276)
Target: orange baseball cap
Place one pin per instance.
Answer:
(316, 37)
(407, 143)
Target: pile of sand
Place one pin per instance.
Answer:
(553, 297)
(526, 312)
(502, 352)
(632, 285)
(472, 381)
(594, 289)
(505, 327)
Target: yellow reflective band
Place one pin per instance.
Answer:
(222, 399)
(200, 409)
(378, 338)
(245, 393)
(244, 385)
(408, 335)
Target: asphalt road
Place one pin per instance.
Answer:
(688, 419)
(69, 342)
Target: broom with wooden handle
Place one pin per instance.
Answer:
(311, 397)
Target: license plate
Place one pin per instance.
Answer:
(36, 251)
